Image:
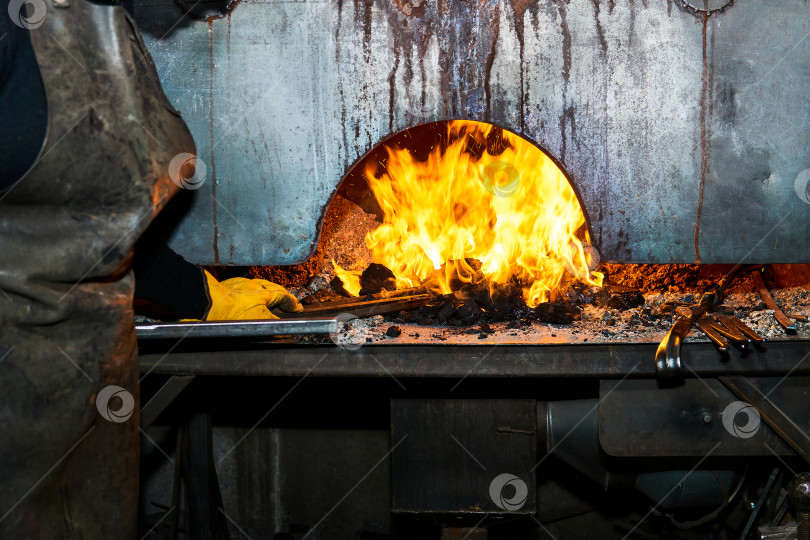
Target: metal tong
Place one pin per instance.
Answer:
(717, 327)
(779, 315)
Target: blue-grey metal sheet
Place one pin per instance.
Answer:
(645, 102)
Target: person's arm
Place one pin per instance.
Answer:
(24, 114)
(165, 278)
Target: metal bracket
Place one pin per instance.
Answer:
(163, 398)
(707, 7)
(790, 432)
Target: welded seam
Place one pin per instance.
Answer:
(704, 159)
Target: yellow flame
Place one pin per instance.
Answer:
(514, 212)
(350, 279)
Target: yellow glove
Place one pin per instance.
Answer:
(243, 298)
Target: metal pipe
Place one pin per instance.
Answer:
(235, 329)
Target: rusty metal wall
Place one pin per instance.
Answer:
(686, 134)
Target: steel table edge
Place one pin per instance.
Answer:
(481, 361)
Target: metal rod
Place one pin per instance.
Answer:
(164, 397)
(236, 329)
(713, 334)
(741, 326)
(384, 294)
(787, 429)
(752, 521)
(780, 316)
(362, 308)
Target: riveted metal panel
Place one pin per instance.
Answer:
(685, 134)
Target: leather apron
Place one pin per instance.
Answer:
(69, 469)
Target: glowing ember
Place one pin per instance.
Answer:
(515, 212)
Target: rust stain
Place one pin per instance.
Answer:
(392, 89)
(344, 130)
(566, 34)
(520, 7)
(411, 29)
(710, 90)
(605, 85)
(367, 8)
(632, 22)
(567, 117)
(211, 134)
(521, 48)
(599, 31)
(445, 60)
(422, 52)
(489, 63)
(228, 10)
(228, 78)
(704, 110)
(411, 8)
(568, 112)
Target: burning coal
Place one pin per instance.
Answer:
(487, 206)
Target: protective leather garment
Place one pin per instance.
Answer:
(67, 231)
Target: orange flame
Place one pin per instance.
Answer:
(350, 279)
(514, 212)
